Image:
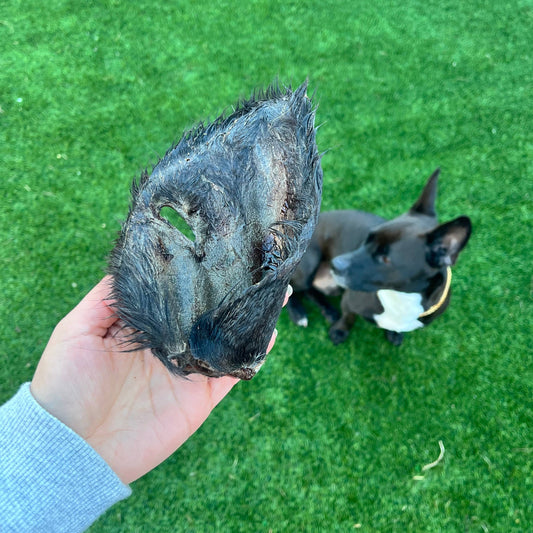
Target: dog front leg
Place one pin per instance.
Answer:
(339, 331)
(341, 328)
(296, 310)
(329, 312)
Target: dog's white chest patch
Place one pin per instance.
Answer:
(401, 310)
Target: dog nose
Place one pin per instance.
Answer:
(339, 264)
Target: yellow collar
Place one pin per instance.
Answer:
(443, 296)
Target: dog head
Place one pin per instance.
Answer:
(404, 253)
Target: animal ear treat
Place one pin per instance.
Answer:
(214, 233)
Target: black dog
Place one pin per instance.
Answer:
(394, 273)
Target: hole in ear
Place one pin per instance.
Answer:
(176, 220)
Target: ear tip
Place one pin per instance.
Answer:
(465, 221)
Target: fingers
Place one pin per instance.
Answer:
(272, 340)
(288, 294)
(220, 387)
(275, 332)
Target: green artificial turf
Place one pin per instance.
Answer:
(324, 438)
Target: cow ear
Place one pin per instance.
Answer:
(446, 241)
(425, 205)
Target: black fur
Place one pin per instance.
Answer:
(249, 186)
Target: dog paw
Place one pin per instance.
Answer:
(337, 335)
(394, 337)
(297, 316)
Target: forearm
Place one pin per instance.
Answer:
(50, 478)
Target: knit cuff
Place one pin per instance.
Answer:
(50, 478)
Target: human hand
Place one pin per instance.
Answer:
(126, 405)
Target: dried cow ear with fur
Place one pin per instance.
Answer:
(214, 233)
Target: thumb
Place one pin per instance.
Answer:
(94, 314)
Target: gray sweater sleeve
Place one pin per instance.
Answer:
(50, 478)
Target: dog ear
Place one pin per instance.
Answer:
(446, 241)
(425, 205)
